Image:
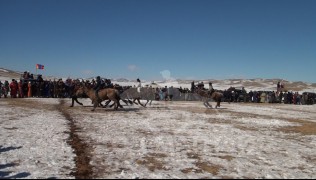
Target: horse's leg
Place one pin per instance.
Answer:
(125, 101)
(78, 102)
(96, 103)
(146, 102)
(112, 105)
(116, 103)
(119, 104)
(204, 103)
(107, 103)
(72, 102)
(134, 101)
(138, 100)
(116, 99)
(209, 105)
(73, 99)
(218, 103)
(131, 102)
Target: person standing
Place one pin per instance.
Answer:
(29, 89)
(13, 89)
(6, 88)
(20, 86)
(165, 92)
(170, 93)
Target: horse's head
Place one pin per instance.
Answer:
(82, 90)
(79, 92)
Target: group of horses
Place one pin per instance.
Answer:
(131, 95)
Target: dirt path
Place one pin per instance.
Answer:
(81, 148)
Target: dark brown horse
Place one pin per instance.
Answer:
(209, 95)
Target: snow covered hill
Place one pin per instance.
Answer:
(258, 84)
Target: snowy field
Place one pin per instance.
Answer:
(45, 138)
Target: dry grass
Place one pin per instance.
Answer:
(153, 161)
(204, 166)
(211, 168)
(227, 157)
(305, 128)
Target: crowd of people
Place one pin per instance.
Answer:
(29, 86)
(281, 95)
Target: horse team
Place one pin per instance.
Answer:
(132, 94)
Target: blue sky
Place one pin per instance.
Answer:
(193, 39)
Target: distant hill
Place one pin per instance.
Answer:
(248, 84)
(9, 74)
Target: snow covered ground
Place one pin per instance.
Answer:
(45, 138)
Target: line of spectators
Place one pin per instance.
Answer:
(28, 86)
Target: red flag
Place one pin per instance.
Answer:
(39, 66)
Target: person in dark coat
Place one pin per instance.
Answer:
(192, 87)
(1, 86)
(97, 87)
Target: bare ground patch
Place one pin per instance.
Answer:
(305, 127)
(82, 149)
(202, 166)
(153, 161)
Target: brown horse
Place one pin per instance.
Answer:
(78, 92)
(104, 94)
(208, 95)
